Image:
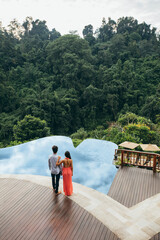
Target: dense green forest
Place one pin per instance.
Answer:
(89, 86)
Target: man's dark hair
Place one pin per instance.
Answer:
(55, 149)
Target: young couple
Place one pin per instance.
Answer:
(66, 165)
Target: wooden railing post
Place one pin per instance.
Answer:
(122, 158)
(154, 163)
(127, 157)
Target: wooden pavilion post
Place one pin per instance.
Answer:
(122, 158)
(154, 163)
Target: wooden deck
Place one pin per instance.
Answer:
(132, 185)
(31, 211)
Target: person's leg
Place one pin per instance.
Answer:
(57, 182)
(53, 181)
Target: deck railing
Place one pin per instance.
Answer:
(137, 158)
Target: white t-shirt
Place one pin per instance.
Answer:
(52, 164)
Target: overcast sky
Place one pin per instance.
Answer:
(69, 15)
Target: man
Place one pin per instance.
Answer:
(55, 170)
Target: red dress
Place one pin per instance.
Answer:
(67, 181)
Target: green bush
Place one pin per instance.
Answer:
(76, 142)
(80, 134)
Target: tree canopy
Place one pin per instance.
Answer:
(30, 128)
(74, 82)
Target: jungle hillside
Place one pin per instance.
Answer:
(105, 84)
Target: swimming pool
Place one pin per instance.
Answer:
(92, 160)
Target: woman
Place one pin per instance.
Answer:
(67, 173)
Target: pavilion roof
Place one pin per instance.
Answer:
(150, 147)
(129, 145)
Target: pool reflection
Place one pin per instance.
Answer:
(92, 160)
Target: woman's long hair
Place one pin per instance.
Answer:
(67, 154)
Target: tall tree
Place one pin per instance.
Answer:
(30, 128)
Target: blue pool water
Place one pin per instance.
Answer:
(92, 160)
